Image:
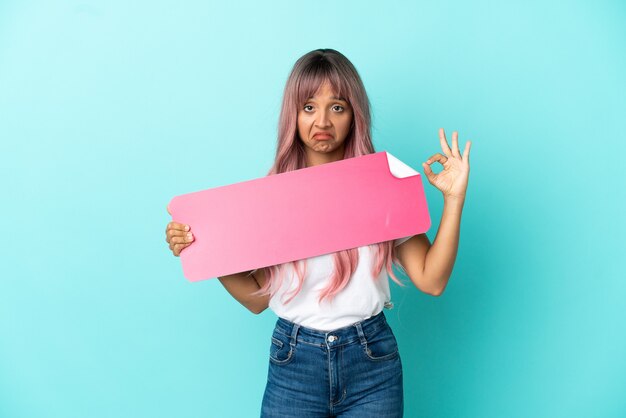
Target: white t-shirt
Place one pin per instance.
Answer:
(362, 297)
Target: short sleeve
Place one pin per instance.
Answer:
(401, 240)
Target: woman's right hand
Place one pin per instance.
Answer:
(178, 236)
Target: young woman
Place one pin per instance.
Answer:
(332, 352)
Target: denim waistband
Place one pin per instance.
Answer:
(359, 331)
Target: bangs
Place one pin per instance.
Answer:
(314, 76)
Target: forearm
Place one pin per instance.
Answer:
(442, 253)
(240, 286)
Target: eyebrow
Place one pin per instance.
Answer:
(333, 98)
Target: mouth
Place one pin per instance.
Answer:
(322, 137)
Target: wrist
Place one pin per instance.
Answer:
(454, 199)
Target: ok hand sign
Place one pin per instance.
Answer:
(452, 180)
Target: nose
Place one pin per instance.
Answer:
(322, 120)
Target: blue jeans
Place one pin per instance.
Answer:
(354, 371)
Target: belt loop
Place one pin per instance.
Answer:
(359, 331)
(294, 334)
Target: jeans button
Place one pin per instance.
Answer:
(331, 338)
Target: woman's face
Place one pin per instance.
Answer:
(323, 125)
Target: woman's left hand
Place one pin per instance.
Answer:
(452, 180)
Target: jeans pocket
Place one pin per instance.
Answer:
(382, 345)
(281, 352)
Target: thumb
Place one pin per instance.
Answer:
(429, 172)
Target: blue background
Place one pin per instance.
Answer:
(109, 109)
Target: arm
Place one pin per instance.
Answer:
(241, 285)
(429, 266)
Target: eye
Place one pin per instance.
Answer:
(305, 106)
(340, 107)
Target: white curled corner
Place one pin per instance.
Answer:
(398, 168)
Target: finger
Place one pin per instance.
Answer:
(444, 143)
(428, 172)
(171, 233)
(175, 226)
(466, 151)
(183, 239)
(442, 159)
(178, 248)
(455, 144)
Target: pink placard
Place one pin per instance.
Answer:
(300, 214)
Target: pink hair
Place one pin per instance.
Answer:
(308, 74)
